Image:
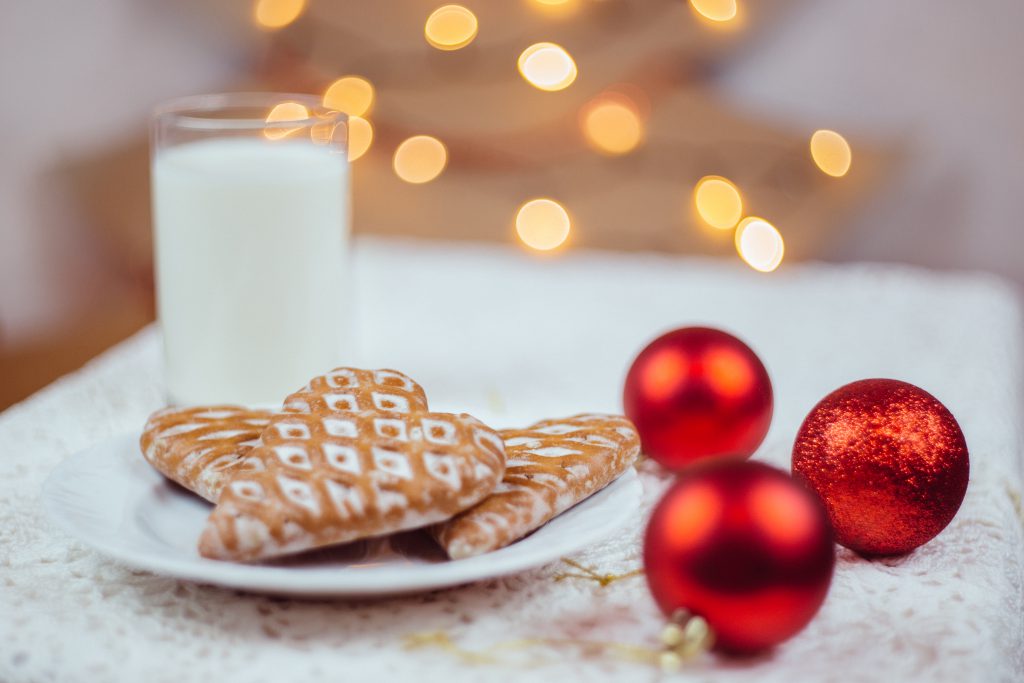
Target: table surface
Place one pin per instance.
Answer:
(513, 338)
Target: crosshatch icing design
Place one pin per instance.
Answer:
(550, 467)
(202, 448)
(353, 389)
(323, 484)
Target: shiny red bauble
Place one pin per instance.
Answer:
(889, 461)
(695, 393)
(744, 546)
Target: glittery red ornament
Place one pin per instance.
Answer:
(695, 393)
(744, 546)
(889, 461)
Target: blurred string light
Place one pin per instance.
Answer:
(275, 14)
(547, 66)
(542, 224)
(715, 10)
(360, 137)
(557, 7)
(718, 202)
(451, 27)
(831, 152)
(420, 159)
(760, 244)
(281, 113)
(351, 94)
(611, 124)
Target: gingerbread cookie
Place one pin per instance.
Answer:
(340, 477)
(550, 467)
(352, 389)
(201, 448)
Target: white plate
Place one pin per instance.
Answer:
(111, 499)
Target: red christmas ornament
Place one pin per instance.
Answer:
(695, 393)
(743, 546)
(889, 461)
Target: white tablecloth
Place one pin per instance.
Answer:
(513, 338)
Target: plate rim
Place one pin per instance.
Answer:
(321, 581)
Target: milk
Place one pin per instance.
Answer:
(251, 239)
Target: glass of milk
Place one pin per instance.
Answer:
(251, 221)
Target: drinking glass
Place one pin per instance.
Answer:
(251, 218)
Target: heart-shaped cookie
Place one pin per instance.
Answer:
(352, 389)
(201, 448)
(550, 467)
(340, 477)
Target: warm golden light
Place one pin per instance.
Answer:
(715, 10)
(831, 152)
(360, 137)
(275, 14)
(718, 202)
(760, 244)
(450, 27)
(542, 224)
(283, 112)
(612, 125)
(557, 8)
(547, 66)
(420, 159)
(350, 94)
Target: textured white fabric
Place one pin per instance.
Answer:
(512, 339)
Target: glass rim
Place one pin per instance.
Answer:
(185, 112)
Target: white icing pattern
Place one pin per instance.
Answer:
(339, 479)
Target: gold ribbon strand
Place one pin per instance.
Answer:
(591, 574)
(685, 637)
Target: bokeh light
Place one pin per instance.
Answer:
(420, 159)
(611, 124)
(557, 8)
(360, 137)
(718, 202)
(831, 152)
(547, 66)
(760, 244)
(281, 113)
(715, 10)
(451, 27)
(350, 94)
(542, 224)
(275, 14)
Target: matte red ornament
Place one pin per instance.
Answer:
(743, 546)
(889, 461)
(696, 393)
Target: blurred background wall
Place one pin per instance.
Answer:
(926, 92)
(940, 78)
